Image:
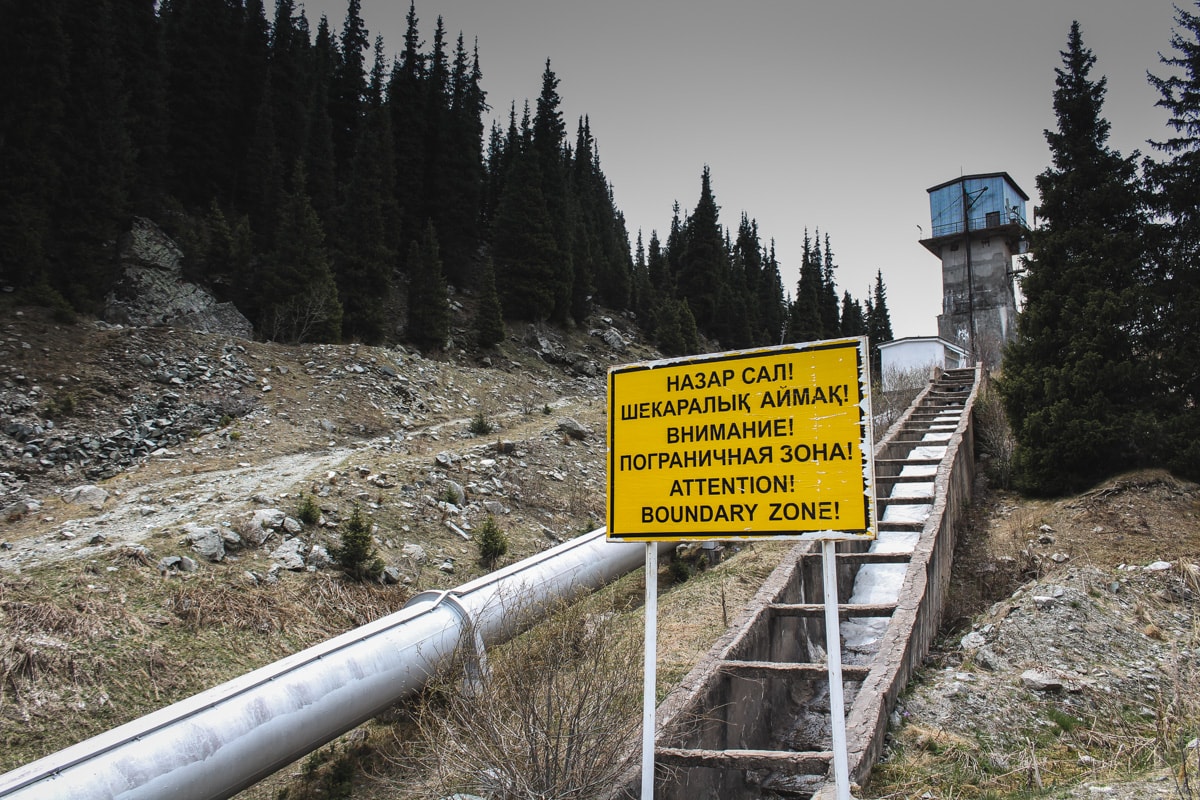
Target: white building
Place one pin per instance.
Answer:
(909, 362)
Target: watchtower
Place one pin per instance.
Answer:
(978, 226)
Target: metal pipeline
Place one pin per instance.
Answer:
(216, 743)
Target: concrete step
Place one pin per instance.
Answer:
(845, 610)
(811, 762)
(791, 671)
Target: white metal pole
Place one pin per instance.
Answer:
(833, 652)
(649, 687)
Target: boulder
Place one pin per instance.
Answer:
(205, 540)
(91, 495)
(256, 527)
(574, 429)
(290, 554)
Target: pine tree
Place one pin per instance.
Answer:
(879, 324)
(489, 316)
(547, 147)
(349, 86)
(828, 300)
(804, 322)
(854, 322)
(428, 307)
(203, 101)
(1075, 389)
(97, 155)
(35, 69)
(1175, 193)
(296, 292)
(702, 265)
(523, 245)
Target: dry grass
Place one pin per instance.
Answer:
(84, 651)
(550, 716)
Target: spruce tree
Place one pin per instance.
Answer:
(688, 330)
(702, 264)
(462, 180)
(35, 69)
(405, 102)
(96, 155)
(142, 64)
(1175, 296)
(772, 308)
(296, 292)
(879, 324)
(200, 40)
(547, 146)
(853, 320)
(523, 245)
(804, 322)
(828, 299)
(1075, 388)
(349, 86)
(489, 316)
(365, 246)
(428, 307)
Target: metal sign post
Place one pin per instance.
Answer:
(833, 657)
(650, 673)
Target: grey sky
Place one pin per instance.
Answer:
(835, 115)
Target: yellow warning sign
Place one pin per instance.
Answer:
(769, 443)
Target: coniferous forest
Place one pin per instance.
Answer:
(320, 181)
(335, 190)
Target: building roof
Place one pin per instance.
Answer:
(980, 175)
(921, 339)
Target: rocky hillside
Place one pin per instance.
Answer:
(174, 426)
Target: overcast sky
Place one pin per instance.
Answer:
(836, 115)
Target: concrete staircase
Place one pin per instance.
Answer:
(752, 719)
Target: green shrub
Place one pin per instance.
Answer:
(479, 425)
(679, 570)
(356, 554)
(307, 510)
(492, 542)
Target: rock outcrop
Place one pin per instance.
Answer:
(152, 291)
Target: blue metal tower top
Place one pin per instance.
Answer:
(976, 203)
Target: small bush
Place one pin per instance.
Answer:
(994, 438)
(479, 425)
(551, 716)
(62, 405)
(679, 570)
(307, 510)
(356, 554)
(492, 543)
(546, 409)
